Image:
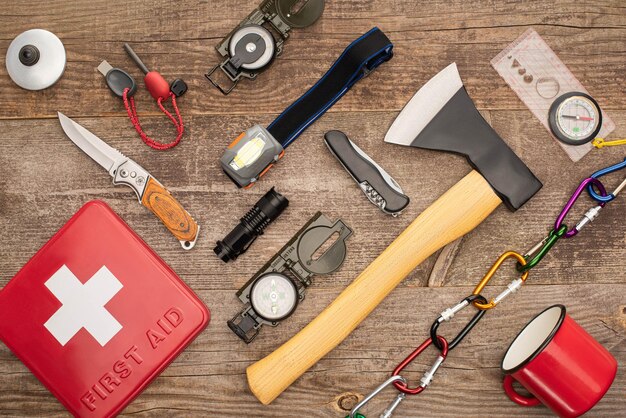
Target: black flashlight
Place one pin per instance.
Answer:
(251, 225)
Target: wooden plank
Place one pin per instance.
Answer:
(427, 37)
(208, 378)
(210, 197)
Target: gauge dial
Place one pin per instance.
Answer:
(273, 296)
(575, 118)
(257, 48)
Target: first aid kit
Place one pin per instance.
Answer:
(96, 315)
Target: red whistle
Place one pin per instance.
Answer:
(158, 87)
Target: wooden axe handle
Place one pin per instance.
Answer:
(451, 216)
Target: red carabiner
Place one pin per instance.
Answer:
(425, 380)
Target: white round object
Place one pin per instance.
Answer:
(577, 118)
(533, 338)
(268, 54)
(48, 68)
(273, 296)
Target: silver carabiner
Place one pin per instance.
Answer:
(393, 405)
(375, 392)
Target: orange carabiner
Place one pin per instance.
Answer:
(481, 285)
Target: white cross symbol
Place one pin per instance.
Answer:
(83, 305)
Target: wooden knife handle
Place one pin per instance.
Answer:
(171, 213)
(454, 214)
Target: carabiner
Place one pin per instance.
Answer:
(568, 206)
(515, 284)
(388, 412)
(449, 313)
(540, 250)
(605, 171)
(428, 376)
(354, 413)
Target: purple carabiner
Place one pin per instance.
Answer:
(572, 200)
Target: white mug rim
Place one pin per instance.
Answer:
(539, 346)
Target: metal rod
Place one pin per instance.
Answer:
(136, 58)
(387, 413)
(619, 188)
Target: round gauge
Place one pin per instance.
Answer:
(36, 59)
(254, 45)
(273, 296)
(575, 118)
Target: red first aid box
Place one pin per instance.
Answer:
(96, 314)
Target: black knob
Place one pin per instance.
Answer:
(29, 55)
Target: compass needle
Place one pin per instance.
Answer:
(575, 118)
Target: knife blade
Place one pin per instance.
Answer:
(108, 157)
(150, 192)
(377, 185)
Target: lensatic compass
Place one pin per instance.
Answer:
(258, 39)
(274, 292)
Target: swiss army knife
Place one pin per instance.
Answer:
(125, 171)
(377, 185)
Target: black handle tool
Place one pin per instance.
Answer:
(379, 187)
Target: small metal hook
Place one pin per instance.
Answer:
(391, 380)
(393, 405)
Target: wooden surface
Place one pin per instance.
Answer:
(44, 179)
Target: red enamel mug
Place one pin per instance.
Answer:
(559, 363)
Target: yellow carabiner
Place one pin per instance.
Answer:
(481, 285)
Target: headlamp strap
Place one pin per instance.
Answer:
(360, 58)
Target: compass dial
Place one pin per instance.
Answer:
(575, 118)
(253, 45)
(273, 296)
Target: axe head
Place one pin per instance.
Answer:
(441, 116)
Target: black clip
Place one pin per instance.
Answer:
(235, 81)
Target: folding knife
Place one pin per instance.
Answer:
(125, 171)
(379, 187)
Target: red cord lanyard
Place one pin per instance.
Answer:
(129, 104)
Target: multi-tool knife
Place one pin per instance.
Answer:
(379, 187)
(125, 171)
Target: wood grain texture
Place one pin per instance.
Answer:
(44, 179)
(444, 262)
(457, 212)
(175, 218)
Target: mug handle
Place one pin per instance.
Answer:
(507, 383)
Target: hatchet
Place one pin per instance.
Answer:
(440, 116)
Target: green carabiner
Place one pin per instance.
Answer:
(536, 254)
